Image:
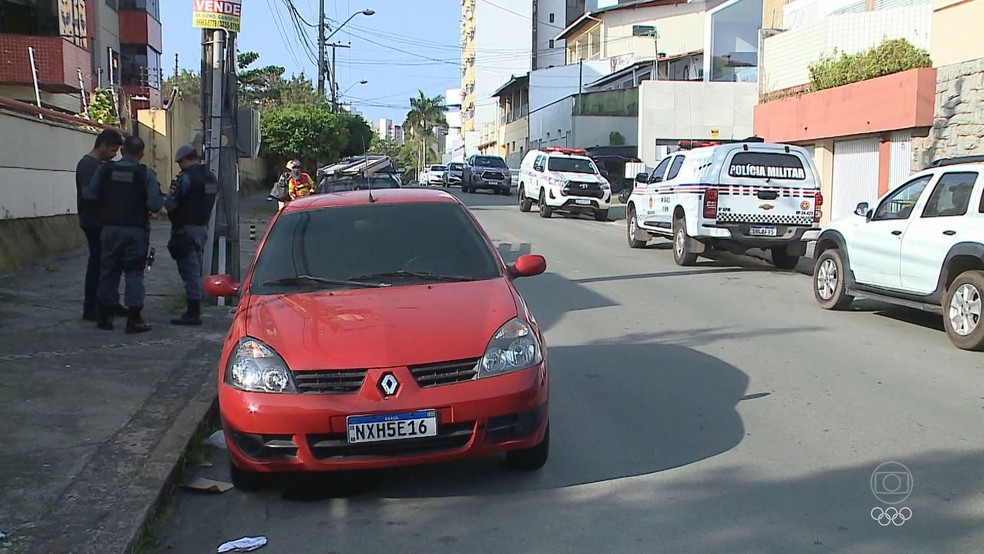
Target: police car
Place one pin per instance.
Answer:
(563, 180)
(733, 197)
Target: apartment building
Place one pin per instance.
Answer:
(79, 45)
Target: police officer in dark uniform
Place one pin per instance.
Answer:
(127, 192)
(189, 206)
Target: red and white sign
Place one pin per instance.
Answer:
(218, 14)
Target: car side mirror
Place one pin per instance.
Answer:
(221, 286)
(862, 209)
(642, 177)
(528, 265)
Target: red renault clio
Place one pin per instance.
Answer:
(380, 329)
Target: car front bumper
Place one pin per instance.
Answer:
(308, 432)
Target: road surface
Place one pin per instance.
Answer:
(705, 409)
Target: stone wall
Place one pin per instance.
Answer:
(958, 128)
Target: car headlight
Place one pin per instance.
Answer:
(255, 367)
(512, 348)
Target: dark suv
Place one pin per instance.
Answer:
(486, 172)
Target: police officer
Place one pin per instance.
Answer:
(189, 206)
(127, 192)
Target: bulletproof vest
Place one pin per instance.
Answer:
(124, 196)
(195, 204)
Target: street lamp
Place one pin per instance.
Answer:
(351, 17)
(362, 82)
(334, 79)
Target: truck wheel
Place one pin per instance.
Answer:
(962, 311)
(783, 260)
(545, 210)
(601, 215)
(633, 233)
(682, 254)
(524, 203)
(828, 281)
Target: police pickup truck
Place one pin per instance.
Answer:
(733, 197)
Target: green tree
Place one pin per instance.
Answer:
(101, 108)
(261, 86)
(310, 133)
(425, 114)
(187, 82)
(360, 135)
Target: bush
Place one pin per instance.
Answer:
(891, 56)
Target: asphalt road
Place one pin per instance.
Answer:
(704, 409)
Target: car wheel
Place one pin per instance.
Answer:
(525, 204)
(962, 311)
(632, 231)
(601, 215)
(828, 281)
(682, 254)
(783, 260)
(531, 459)
(247, 480)
(545, 210)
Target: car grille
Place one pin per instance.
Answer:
(494, 175)
(591, 190)
(445, 373)
(341, 381)
(451, 436)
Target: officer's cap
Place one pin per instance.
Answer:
(186, 151)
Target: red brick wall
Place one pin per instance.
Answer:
(56, 58)
(138, 27)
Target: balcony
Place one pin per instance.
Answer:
(58, 62)
(140, 27)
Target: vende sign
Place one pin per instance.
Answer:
(218, 14)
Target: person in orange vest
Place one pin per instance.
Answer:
(299, 184)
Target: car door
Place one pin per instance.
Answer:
(943, 223)
(663, 202)
(876, 247)
(538, 176)
(648, 190)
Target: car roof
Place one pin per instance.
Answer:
(971, 166)
(381, 196)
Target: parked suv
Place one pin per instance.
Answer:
(452, 175)
(921, 246)
(563, 180)
(486, 172)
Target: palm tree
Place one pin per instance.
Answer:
(425, 114)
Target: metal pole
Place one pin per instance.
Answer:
(230, 161)
(321, 49)
(334, 82)
(34, 72)
(214, 133)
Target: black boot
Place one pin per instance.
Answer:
(104, 320)
(135, 323)
(90, 313)
(120, 310)
(192, 315)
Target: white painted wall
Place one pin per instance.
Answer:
(552, 125)
(680, 28)
(546, 31)
(679, 110)
(503, 44)
(39, 182)
(785, 58)
(549, 85)
(594, 130)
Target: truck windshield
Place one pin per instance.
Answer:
(572, 165)
(490, 162)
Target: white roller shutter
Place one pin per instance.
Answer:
(855, 175)
(900, 158)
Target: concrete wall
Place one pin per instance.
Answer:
(958, 129)
(549, 85)
(786, 57)
(515, 132)
(678, 110)
(546, 31)
(108, 36)
(957, 19)
(594, 130)
(503, 44)
(552, 125)
(680, 29)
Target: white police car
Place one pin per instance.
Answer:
(563, 180)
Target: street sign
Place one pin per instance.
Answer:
(218, 14)
(643, 30)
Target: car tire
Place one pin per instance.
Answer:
(632, 231)
(525, 204)
(601, 215)
(829, 287)
(682, 254)
(962, 311)
(531, 459)
(782, 260)
(247, 480)
(545, 210)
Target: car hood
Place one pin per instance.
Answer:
(580, 177)
(382, 327)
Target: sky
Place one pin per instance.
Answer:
(405, 46)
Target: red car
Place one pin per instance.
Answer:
(379, 329)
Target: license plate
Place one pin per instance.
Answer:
(388, 427)
(762, 231)
(582, 201)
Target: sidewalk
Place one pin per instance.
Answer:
(94, 422)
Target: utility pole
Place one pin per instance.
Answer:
(229, 158)
(334, 76)
(321, 49)
(212, 87)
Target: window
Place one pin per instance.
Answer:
(572, 165)
(767, 165)
(675, 167)
(899, 205)
(952, 195)
(551, 18)
(140, 66)
(150, 6)
(657, 175)
(538, 163)
(551, 43)
(36, 18)
(349, 242)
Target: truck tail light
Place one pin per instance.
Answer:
(711, 203)
(817, 203)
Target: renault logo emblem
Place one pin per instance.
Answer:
(388, 384)
(766, 207)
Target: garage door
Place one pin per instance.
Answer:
(900, 160)
(855, 175)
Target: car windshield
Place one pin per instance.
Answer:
(572, 165)
(490, 162)
(455, 167)
(372, 245)
(357, 183)
(437, 168)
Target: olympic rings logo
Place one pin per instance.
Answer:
(891, 516)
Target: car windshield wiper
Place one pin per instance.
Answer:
(423, 275)
(311, 279)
